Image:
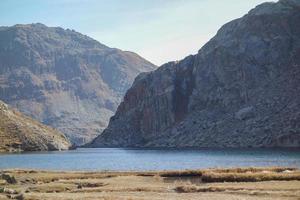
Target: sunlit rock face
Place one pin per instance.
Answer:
(63, 78)
(20, 133)
(242, 89)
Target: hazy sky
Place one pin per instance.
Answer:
(158, 30)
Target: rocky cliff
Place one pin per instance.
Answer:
(242, 89)
(20, 133)
(63, 78)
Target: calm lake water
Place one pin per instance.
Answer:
(149, 159)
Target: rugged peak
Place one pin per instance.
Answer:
(63, 78)
(240, 90)
(294, 3)
(271, 8)
(36, 25)
(54, 37)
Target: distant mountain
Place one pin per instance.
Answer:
(20, 133)
(242, 89)
(63, 78)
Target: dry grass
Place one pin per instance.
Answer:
(48, 177)
(192, 189)
(251, 174)
(238, 174)
(189, 184)
(52, 187)
(186, 173)
(253, 169)
(89, 185)
(255, 177)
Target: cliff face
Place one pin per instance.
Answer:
(63, 78)
(240, 90)
(20, 133)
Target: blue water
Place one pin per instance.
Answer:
(147, 159)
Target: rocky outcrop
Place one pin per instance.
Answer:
(20, 133)
(63, 78)
(240, 90)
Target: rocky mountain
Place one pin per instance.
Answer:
(242, 89)
(63, 78)
(20, 133)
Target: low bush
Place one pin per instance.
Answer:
(187, 173)
(248, 177)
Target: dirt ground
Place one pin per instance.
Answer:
(214, 184)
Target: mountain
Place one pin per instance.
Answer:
(242, 89)
(63, 78)
(20, 133)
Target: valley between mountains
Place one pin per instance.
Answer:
(240, 90)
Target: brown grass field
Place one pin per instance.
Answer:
(238, 183)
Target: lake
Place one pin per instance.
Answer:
(150, 159)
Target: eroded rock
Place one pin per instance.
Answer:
(240, 90)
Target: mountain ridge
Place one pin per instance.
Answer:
(240, 90)
(63, 78)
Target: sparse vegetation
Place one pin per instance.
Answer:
(90, 185)
(251, 174)
(248, 177)
(186, 173)
(8, 178)
(191, 189)
(246, 183)
(254, 169)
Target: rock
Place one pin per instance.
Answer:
(287, 140)
(241, 89)
(245, 113)
(16, 196)
(8, 178)
(287, 171)
(10, 191)
(19, 197)
(63, 78)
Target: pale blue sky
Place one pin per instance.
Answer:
(158, 30)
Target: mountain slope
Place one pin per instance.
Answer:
(63, 78)
(21, 133)
(240, 90)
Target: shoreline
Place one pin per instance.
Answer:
(218, 183)
(212, 169)
(73, 148)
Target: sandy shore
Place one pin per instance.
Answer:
(240, 183)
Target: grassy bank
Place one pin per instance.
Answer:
(239, 183)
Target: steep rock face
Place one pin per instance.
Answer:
(240, 90)
(63, 78)
(20, 133)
